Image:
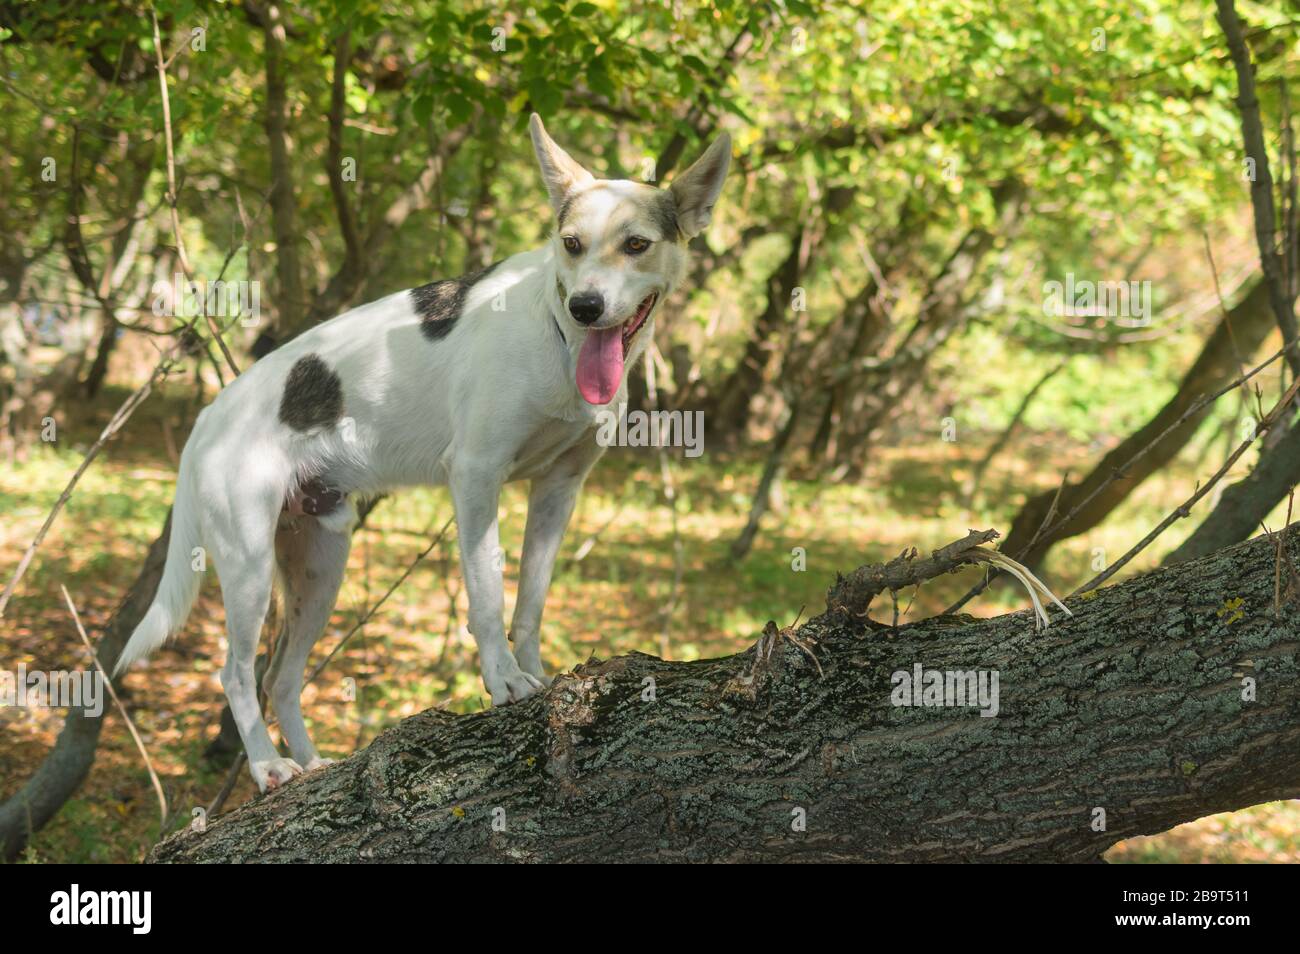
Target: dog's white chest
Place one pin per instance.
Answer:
(538, 454)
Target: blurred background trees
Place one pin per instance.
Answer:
(871, 307)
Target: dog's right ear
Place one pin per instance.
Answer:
(560, 172)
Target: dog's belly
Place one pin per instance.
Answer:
(322, 490)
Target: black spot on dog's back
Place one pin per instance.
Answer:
(313, 395)
(439, 304)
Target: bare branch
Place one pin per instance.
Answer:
(108, 684)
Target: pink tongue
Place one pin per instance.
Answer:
(600, 365)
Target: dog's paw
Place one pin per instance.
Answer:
(509, 684)
(535, 670)
(540, 675)
(530, 661)
(274, 772)
(317, 762)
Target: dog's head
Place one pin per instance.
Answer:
(620, 249)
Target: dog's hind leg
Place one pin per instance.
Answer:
(311, 558)
(240, 530)
(246, 591)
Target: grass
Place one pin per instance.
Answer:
(414, 653)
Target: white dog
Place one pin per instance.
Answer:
(471, 382)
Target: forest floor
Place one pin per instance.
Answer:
(609, 597)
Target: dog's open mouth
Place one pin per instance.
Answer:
(600, 362)
(630, 328)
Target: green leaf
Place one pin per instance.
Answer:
(459, 108)
(546, 98)
(599, 80)
(422, 108)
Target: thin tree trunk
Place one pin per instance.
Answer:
(763, 494)
(942, 313)
(68, 763)
(1261, 182)
(1238, 336)
(351, 269)
(1244, 505)
(292, 300)
(1003, 439)
(793, 750)
(731, 413)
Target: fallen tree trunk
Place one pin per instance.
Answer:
(1138, 705)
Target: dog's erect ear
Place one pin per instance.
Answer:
(696, 189)
(560, 173)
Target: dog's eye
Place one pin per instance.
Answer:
(572, 245)
(636, 245)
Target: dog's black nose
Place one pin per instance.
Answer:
(588, 307)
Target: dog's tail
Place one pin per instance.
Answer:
(180, 580)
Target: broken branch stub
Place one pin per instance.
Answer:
(853, 593)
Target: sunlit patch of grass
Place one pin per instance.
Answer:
(415, 653)
(1262, 833)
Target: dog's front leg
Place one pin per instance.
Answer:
(476, 492)
(550, 505)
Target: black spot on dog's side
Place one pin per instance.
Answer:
(439, 304)
(313, 395)
(663, 211)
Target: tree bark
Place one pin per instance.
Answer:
(1134, 705)
(740, 547)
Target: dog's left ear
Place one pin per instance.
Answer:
(560, 172)
(696, 189)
